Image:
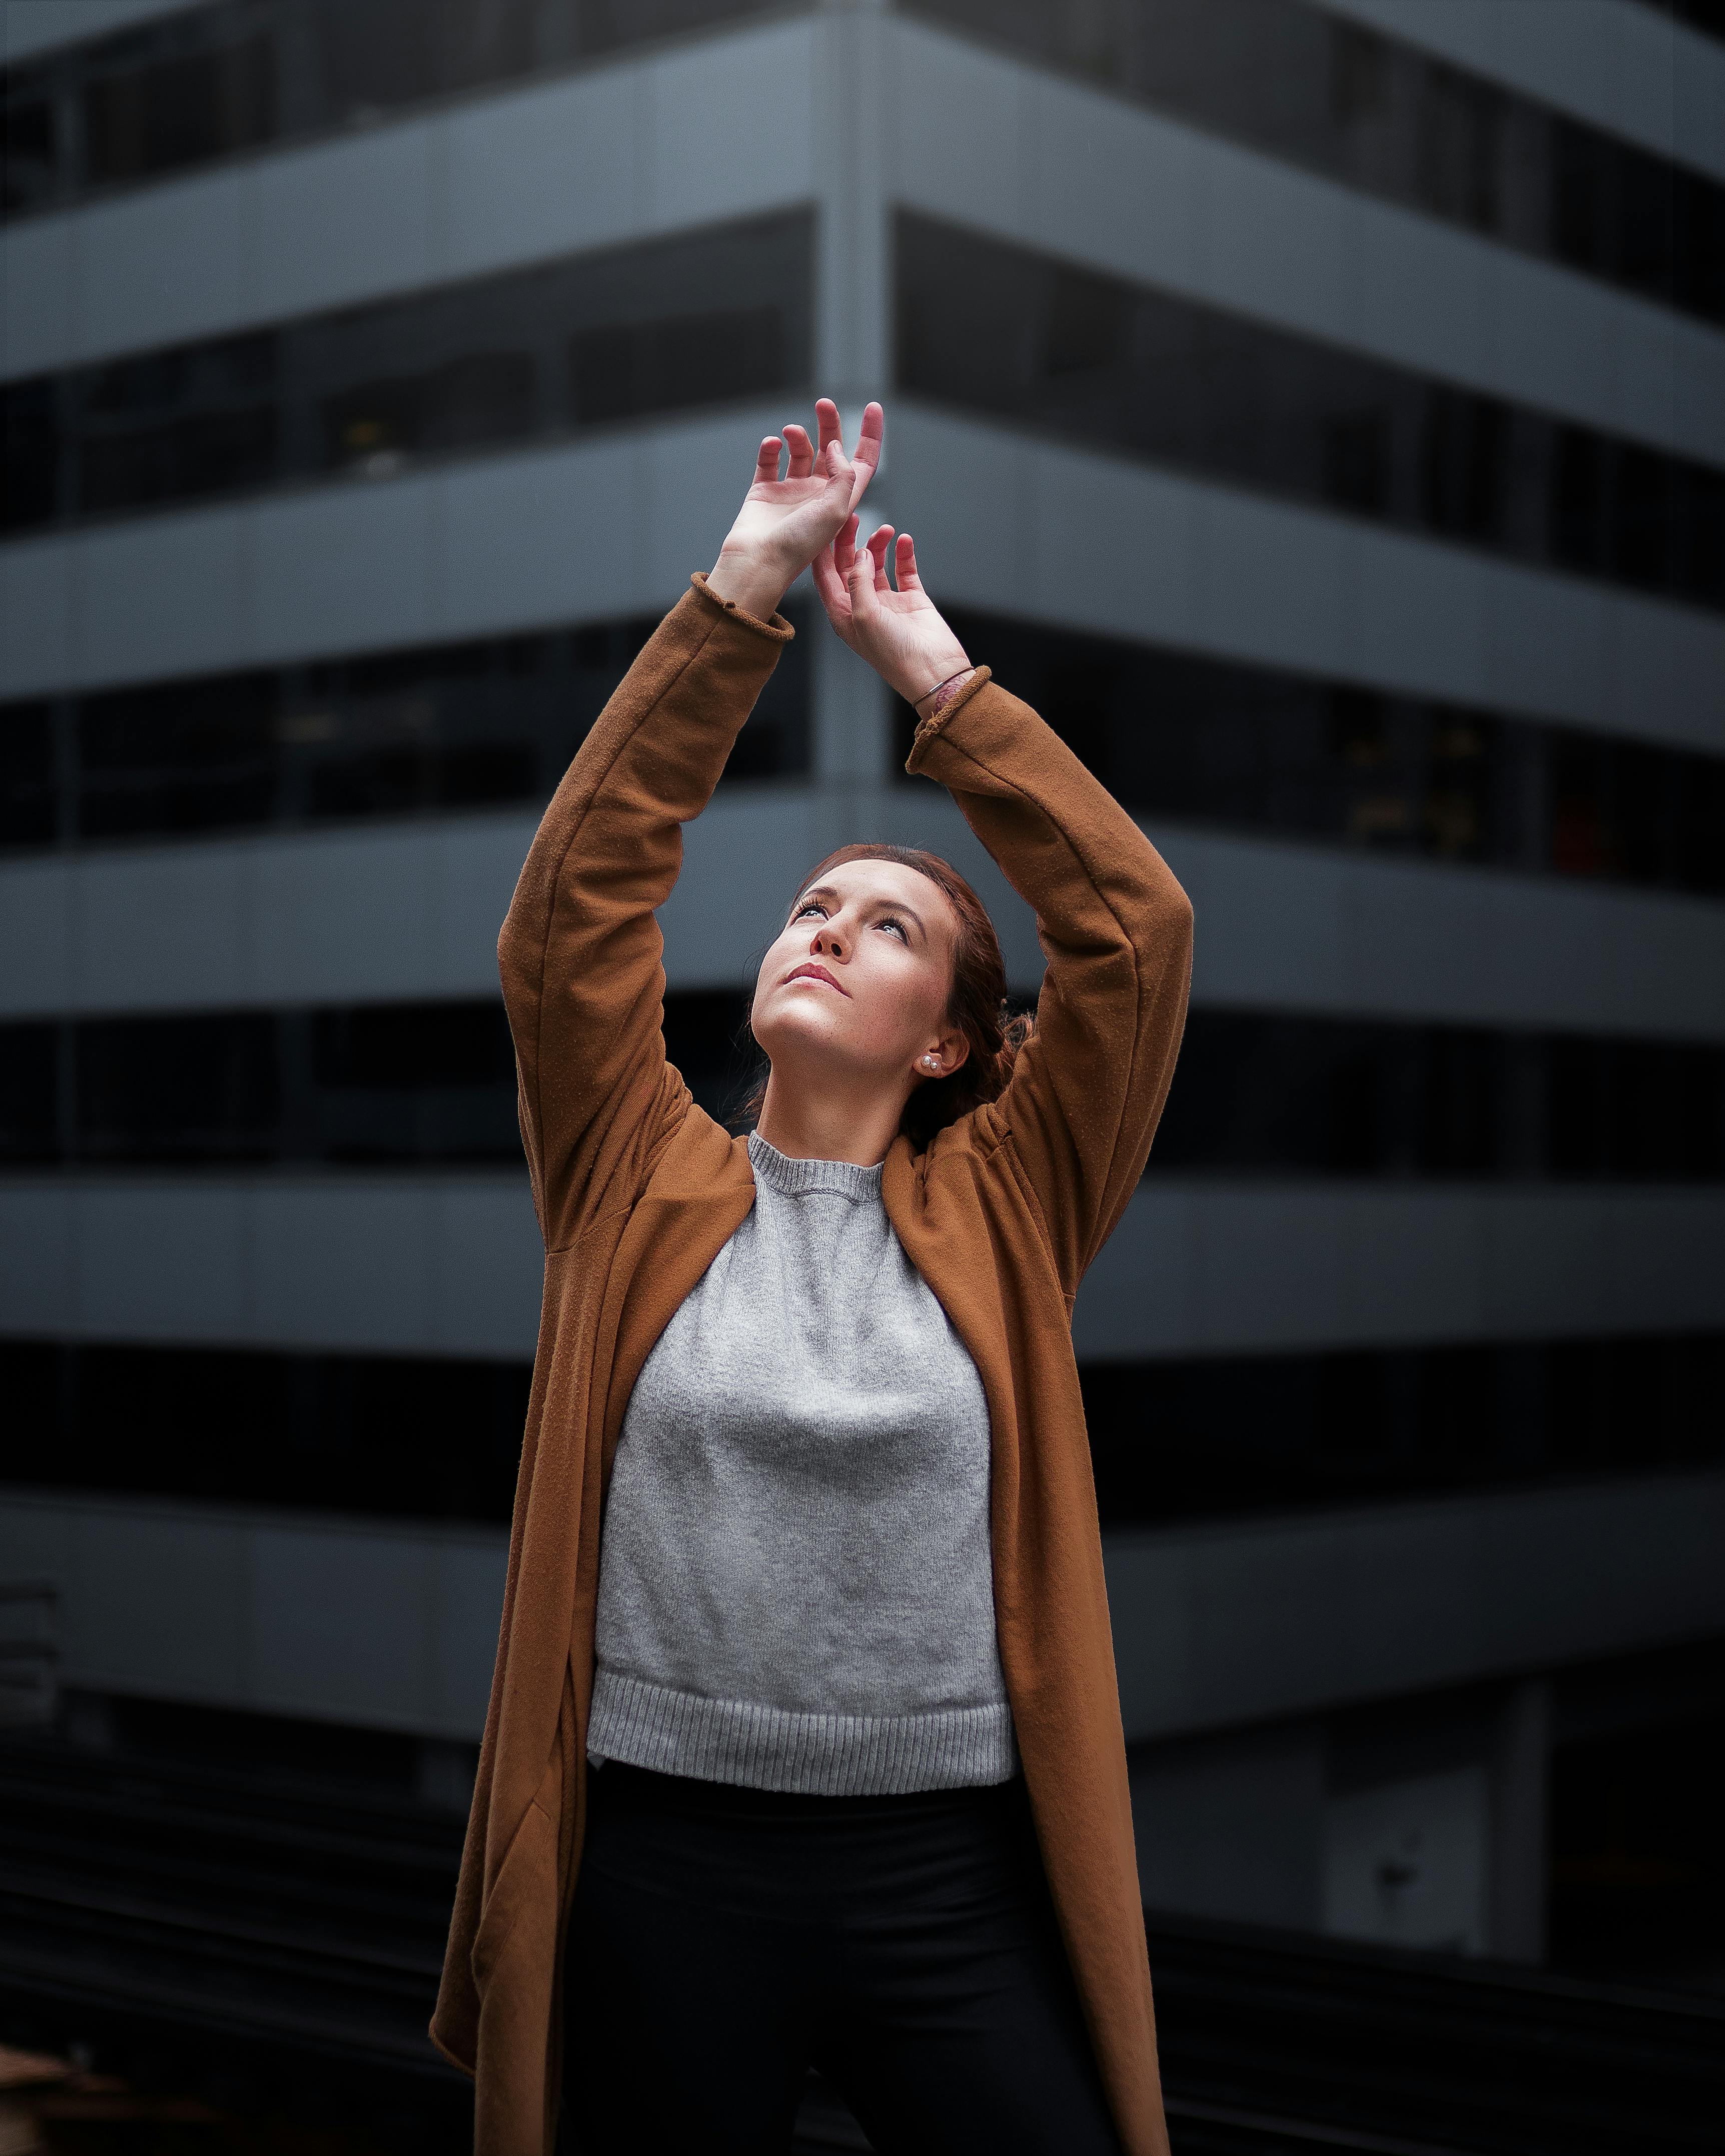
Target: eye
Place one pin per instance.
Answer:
(890, 920)
(813, 905)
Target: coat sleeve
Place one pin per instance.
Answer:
(581, 954)
(1116, 929)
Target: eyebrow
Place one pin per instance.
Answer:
(826, 891)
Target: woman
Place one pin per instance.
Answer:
(841, 1661)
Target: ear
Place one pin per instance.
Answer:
(942, 1057)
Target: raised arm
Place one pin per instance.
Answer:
(580, 953)
(1115, 927)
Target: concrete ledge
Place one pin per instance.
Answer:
(388, 1626)
(452, 1265)
(395, 910)
(394, 1626)
(1238, 1623)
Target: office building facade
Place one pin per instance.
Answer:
(1316, 411)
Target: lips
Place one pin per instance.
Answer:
(816, 973)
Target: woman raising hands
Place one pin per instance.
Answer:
(804, 1746)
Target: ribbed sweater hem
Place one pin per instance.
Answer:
(771, 1748)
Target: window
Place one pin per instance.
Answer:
(1256, 1094)
(1251, 748)
(166, 114)
(481, 725)
(704, 320)
(209, 83)
(1211, 1437)
(1291, 79)
(985, 326)
(419, 1437)
(440, 1437)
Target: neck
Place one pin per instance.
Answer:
(828, 1122)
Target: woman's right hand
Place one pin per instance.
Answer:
(784, 523)
(902, 634)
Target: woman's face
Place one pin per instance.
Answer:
(861, 979)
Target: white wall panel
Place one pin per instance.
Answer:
(412, 909)
(1234, 1622)
(1225, 1623)
(1198, 1267)
(450, 1264)
(357, 1621)
(406, 1265)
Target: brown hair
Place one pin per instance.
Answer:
(977, 1005)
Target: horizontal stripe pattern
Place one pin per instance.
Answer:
(771, 1747)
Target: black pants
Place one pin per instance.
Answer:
(724, 1940)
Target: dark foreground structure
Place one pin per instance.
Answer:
(272, 1945)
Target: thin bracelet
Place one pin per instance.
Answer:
(938, 691)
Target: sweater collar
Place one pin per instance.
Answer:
(796, 1178)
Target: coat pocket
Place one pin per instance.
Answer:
(527, 1880)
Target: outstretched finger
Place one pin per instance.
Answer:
(859, 588)
(879, 543)
(867, 458)
(904, 564)
(767, 462)
(827, 429)
(845, 545)
(802, 452)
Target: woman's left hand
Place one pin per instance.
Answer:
(784, 523)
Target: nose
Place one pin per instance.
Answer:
(827, 942)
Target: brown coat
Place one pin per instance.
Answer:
(638, 1191)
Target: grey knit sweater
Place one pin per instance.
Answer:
(795, 1589)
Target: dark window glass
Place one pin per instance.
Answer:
(204, 1089)
(618, 373)
(430, 1438)
(1459, 122)
(391, 1046)
(29, 1092)
(1179, 1439)
(29, 413)
(1465, 458)
(706, 319)
(209, 82)
(439, 1438)
(1290, 79)
(474, 726)
(184, 756)
(1253, 748)
(993, 328)
(28, 791)
(168, 114)
(175, 426)
(1255, 1093)
(28, 155)
(1707, 16)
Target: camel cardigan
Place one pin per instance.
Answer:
(637, 1191)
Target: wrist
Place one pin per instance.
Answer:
(943, 693)
(748, 580)
(919, 679)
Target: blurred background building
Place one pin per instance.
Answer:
(1318, 413)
